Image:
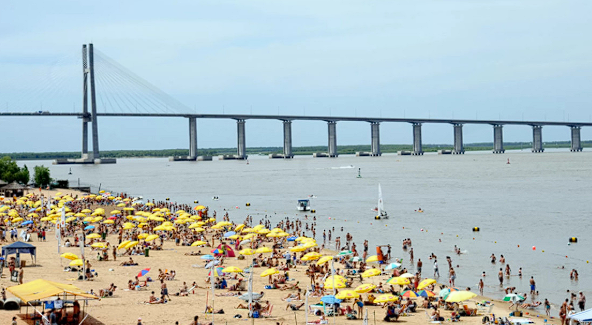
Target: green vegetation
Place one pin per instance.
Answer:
(349, 149)
(41, 176)
(10, 171)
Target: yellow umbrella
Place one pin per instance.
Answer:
(131, 244)
(99, 245)
(371, 272)
(269, 272)
(149, 204)
(70, 219)
(69, 256)
(86, 211)
(385, 298)
(324, 260)
(232, 269)
(120, 205)
(373, 258)
(246, 251)
(425, 283)
(398, 280)
(363, 288)
(338, 278)
(77, 262)
(142, 236)
(263, 231)
(19, 219)
(338, 285)
(239, 227)
(199, 207)
(93, 236)
(123, 244)
(249, 230)
(458, 296)
(151, 237)
(347, 294)
(298, 249)
(198, 243)
(109, 222)
(234, 237)
(263, 250)
(249, 236)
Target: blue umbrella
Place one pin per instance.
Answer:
(330, 299)
(89, 227)
(293, 238)
(33, 209)
(230, 233)
(207, 257)
(26, 223)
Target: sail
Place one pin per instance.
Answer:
(380, 203)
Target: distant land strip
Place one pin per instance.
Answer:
(344, 150)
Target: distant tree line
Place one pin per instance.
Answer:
(11, 172)
(308, 150)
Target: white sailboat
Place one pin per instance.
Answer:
(381, 212)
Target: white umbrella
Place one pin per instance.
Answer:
(393, 266)
(406, 275)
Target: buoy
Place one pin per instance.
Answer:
(534, 248)
(518, 245)
(456, 235)
(473, 238)
(313, 211)
(377, 217)
(573, 240)
(168, 198)
(475, 228)
(248, 204)
(196, 201)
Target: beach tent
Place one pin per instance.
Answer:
(582, 317)
(19, 248)
(224, 250)
(44, 290)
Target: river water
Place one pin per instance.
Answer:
(538, 200)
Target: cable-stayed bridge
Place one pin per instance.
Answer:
(111, 90)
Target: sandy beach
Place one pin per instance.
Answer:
(126, 306)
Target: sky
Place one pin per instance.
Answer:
(512, 60)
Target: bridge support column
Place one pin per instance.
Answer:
(241, 145)
(85, 118)
(375, 144)
(288, 139)
(459, 147)
(93, 103)
(332, 145)
(537, 138)
(417, 147)
(576, 140)
(192, 138)
(498, 139)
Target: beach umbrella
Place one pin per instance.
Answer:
(152, 237)
(298, 249)
(234, 237)
(443, 293)
(263, 250)
(99, 245)
(207, 257)
(407, 275)
(409, 294)
(197, 208)
(514, 298)
(26, 223)
(347, 294)
(337, 285)
(393, 266)
(89, 227)
(93, 236)
(77, 262)
(109, 222)
(458, 296)
(425, 283)
(143, 235)
(86, 211)
(69, 256)
(398, 281)
(123, 243)
(143, 272)
(338, 278)
(426, 293)
(246, 251)
(373, 258)
(198, 243)
(132, 244)
(211, 264)
(232, 269)
(217, 272)
(292, 238)
(363, 288)
(371, 272)
(239, 227)
(70, 219)
(115, 212)
(269, 272)
(345, 253)
(324, 260)
(198, 229)
(311, 256)
(330, 299)
(230, 233)
(385, 298)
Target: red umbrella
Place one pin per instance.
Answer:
(143, 272)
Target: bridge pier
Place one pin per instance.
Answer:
(576, 140)
(459, 148)
(417, 147)
(332, 142)
(192, 138)
(287, 153)
(498, 138)
(537, 138)
(85, 119)
(374, 142)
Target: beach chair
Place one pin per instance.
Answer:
(431, 319)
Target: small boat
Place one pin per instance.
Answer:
(215, 198)
(312, 196)
(70, 172)
(381, 212)
(303, 205)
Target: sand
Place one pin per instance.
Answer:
(126, 306)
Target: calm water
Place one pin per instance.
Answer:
(538, 200)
